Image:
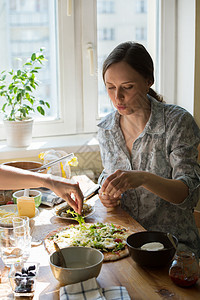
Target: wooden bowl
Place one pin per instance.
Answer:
(26, 165)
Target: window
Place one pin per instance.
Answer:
(106, 34)
(77, 40)
(127, 25)
(105, 7)
(141, 6)
(28, 29)
(140, 34)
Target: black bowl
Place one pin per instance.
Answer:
(158, 258)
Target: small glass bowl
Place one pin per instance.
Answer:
(22, 277)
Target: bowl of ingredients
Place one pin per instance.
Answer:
(26, 165)
(22, 278)
(80, 264)
(151, 248)
(65, 211)
(37, 195)
(11, 211)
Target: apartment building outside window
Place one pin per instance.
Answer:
(106, 7)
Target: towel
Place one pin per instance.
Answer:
(90, 290)
(49, 198)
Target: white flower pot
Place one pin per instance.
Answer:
(19, 133)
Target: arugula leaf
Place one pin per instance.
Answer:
(76, 217)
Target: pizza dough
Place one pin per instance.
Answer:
(153, 246)
(110, 239)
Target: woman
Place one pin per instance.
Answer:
(148, 149)
(15, 178)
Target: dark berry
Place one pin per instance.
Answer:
(31, 268)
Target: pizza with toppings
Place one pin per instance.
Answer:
(110, 239)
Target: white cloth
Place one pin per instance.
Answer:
(90, 290)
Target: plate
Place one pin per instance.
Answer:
(12, 208)
(65, 206)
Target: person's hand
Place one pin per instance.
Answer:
(121, 181)
(62, 188)
(107, 201)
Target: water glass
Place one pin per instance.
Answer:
(12, 240)
(28, 239)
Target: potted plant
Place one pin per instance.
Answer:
(17, 88)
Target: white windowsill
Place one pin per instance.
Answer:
(71, 143)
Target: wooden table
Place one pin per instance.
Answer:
(141, 283)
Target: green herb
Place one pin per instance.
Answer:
(120, 246)
(76, 217)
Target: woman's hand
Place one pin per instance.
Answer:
(62, 188)
(108, 201)
(171, 190)
(121, 181)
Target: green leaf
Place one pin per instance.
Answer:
(47, 104)
(19, 96)
(23, 111)
(31, 100)
(3, 77)
(28, 88)
(33, 85)
(33, 56)
(19, 72)
(41, 102)
(4, 106)
(41, 110)
(28, 107)
(15, 90)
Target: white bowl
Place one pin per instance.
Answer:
(82, 263)
(12, 209)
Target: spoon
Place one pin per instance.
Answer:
(61, 259)
(26, 192)
(71, 155)
(170, 237)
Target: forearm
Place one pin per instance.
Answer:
(171, 190)
(14, 178)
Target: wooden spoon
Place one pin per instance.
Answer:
(170, 237)
(61, 259)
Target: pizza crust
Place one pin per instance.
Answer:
(108, 256)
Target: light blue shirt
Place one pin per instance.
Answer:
(168, 148)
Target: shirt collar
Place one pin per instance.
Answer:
(155, 124)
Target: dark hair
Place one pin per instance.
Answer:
(138, 58)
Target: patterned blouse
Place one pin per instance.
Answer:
(167, 147)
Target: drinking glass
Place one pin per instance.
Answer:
(12, 240)
(28, 238)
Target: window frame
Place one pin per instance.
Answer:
(77, 54)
